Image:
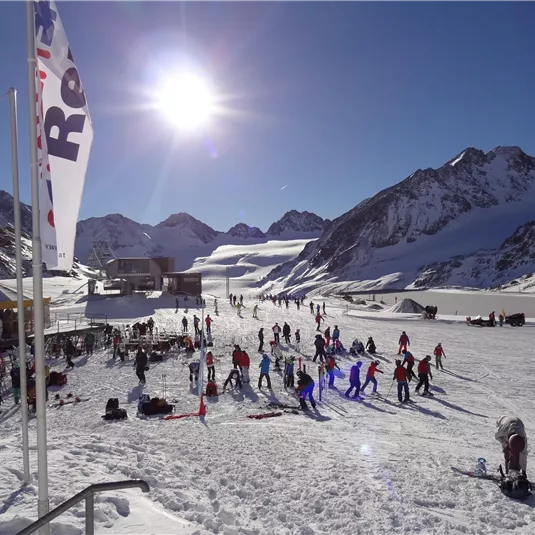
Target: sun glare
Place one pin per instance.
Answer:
(186, 101)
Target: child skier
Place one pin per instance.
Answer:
(354, 380)
(403, 342)
(400, 375)
(370, 376)
(439, 353)
(331, 365)
(289, 365)
(318, 320)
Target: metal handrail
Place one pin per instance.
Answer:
(89, 495)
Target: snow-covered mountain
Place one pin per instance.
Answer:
(298, 222)
(183, 237)
(470, 207)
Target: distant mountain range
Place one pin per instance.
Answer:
(468, 223)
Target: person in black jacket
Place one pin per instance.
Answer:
(15, 382)
(320, 348)
(305, 387)
(286, 333)
(261, 339)
(141, 365)
(297, 339)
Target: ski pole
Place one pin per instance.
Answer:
(389, 390)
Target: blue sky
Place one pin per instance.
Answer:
(335, 100)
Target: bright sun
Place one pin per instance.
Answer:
(186, 101)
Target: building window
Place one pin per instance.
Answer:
(134, 265)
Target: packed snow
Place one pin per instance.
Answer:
(367, 467)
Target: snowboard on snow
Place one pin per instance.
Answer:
(471, 473)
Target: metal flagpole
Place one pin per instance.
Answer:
(201, 360)
(37, 272)
(20, 294)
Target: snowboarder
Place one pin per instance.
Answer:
(370, 346)
(276, 332)
(255, 312)
(210, 366)
(286, 333)
(184, 324)
(512, 436)
(400, 375)
(208, 320)
(141, 365)
(320, 348)
(297, 339)
(409, 359)
(403, 342)
(264, 371)
(289, 365)
(305, 387)
(424, 373)
(370, 376)
(318, 320)
(439, 353)
(261, 340)
(354, 380)
(331, 365)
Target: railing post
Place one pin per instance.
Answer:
(90, 514)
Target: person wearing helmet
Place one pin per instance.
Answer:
(400, 375)
(439, 353)
(424, 373)
(370, 376)
(354, 380)
(511, 434)
(403, 342)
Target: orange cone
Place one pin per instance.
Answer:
(202, 407)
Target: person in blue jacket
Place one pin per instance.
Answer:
(264, 371)
(336, 333)
(354, 380)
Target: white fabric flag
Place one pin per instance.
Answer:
(64, 137)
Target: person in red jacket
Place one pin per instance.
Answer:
(370, 376)
(403, 342)
(424, 373)
(208, 320)
(319, 319)
(409, 359)
(400, 375)
(210, 366)
(439, 353)
(245, 363)
(331, 365)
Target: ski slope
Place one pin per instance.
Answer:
(370, 467)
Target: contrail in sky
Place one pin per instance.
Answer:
(284, 187)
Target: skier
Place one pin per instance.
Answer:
(210, 366)
(230, 299)
(403, 342)
(276, 351)
(196, 321)
(234, 374)
(241, 300)
(208, 320)
(320, 348)
(234, 300)
(255, 312)
(141, 365)
(318, 320)
(327, 334)
(370, 346)
(236, 356)
(245, 363)
(286, 333)
(311, 307)
(370, 376)
(354, 380)
(238, 308)
(424, 373)
(500, 320)
(331, 365)
(215, 306)
(400, 375)
(305, 387)
(298, 304)
(336, 333)
(276, 332)
(289, 365)
(324, 308)
(318, 309)
(184, 324)
(193, 372)
(261, 339)
(409, 359)
(264, 371)
(177, 304)
(439, 353)
(297, 339)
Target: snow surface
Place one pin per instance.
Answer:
(369, 467)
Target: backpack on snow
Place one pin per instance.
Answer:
(116, 414)
(156, 406)
(112, 404)
(211, 389)
(57, 379)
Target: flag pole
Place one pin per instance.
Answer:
(20, 287)
(37, 272)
